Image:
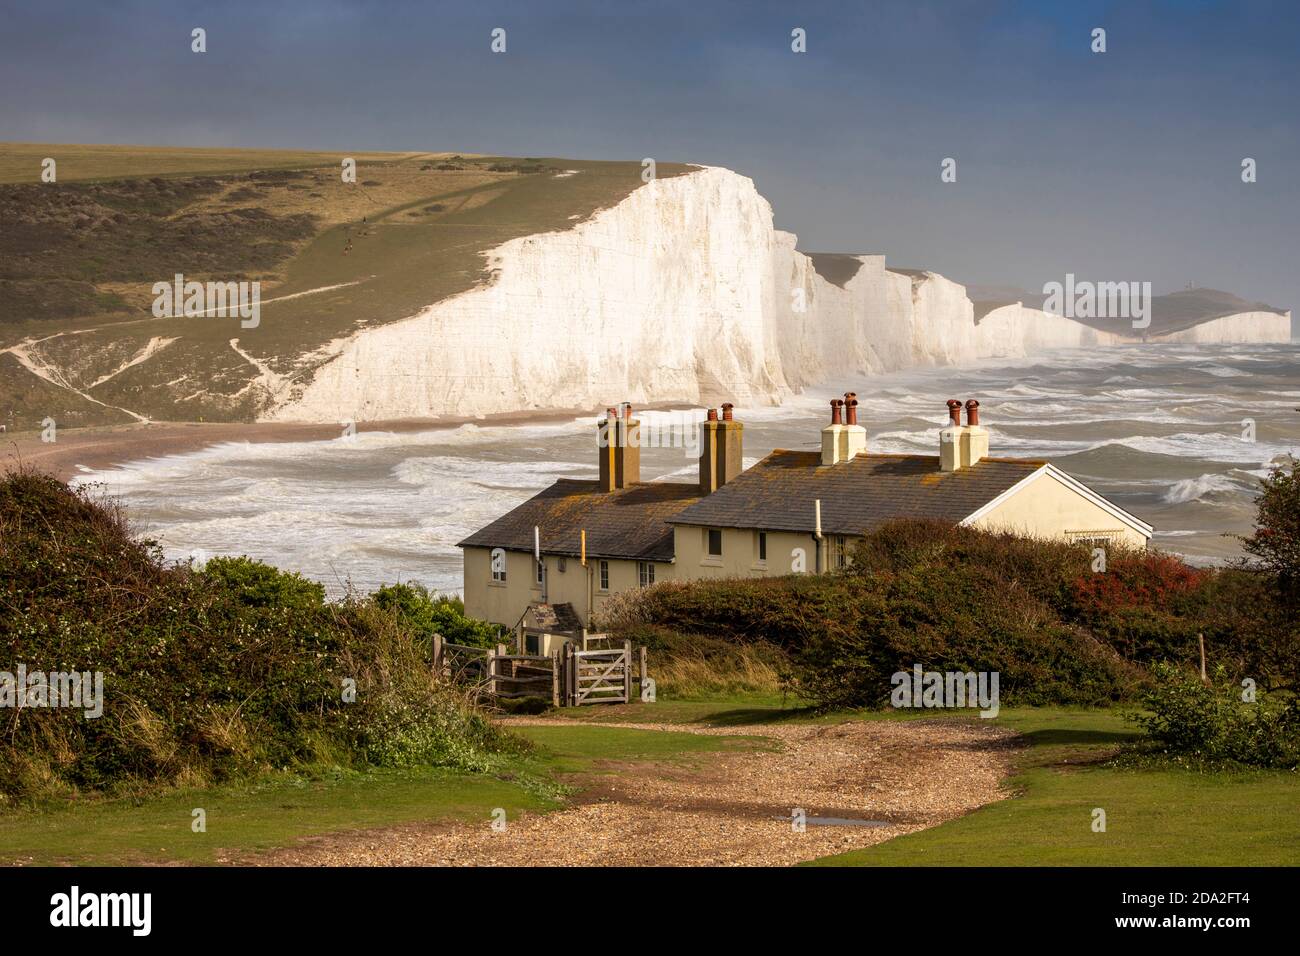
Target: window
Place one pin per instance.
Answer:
(498, 566)
(1090, 539)
(532, 644)
(762, 546)
(541, 573)
(645, 571)
(841, 552)
(604, 575)
(715, 543)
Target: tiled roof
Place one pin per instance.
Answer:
(628, 523)
(778, 493)
(553, 617)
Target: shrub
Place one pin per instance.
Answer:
(231, 670)
(782, 611)
(1275, 543)
(257, 585)
(976, 622)
(956, 598)
(695, 665)
(429, 614)
(1198, 723)
(917, 592)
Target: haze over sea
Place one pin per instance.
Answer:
(1157, 429)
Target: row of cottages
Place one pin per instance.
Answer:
(565, 552)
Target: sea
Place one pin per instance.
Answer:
(1178, 435)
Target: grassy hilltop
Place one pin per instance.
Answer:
(81, 256)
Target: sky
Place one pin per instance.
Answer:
(1122, 165)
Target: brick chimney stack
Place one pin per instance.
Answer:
(961, 446)
(976, 447)
(854, 437)
(951, 438)
(618, 441)
(722, 449)
(833, 435)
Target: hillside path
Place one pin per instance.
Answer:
(723, 808)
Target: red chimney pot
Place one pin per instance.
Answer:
(972, 412)
(850, 408)
(726, 411)
(954, 412)
(836, 403)
(713, 414)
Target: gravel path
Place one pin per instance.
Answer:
(730, 808)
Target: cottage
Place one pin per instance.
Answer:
(577, 543)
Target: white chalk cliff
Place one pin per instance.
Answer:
(683, 291)
(1244, 327)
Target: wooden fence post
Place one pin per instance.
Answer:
(627, 672)
(437, 654)
(641, 655)
(570, 675)
(555, 678)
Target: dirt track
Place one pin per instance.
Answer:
(730, 808)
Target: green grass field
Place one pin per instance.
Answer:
(1154, 817)
(244, 819)
(21, 162)
(572, 749)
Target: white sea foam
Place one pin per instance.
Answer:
(1205, 487)
(1223, 371)
(1215, 446)
(513, 474)
(392, 505)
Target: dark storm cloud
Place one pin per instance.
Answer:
(1119, 165)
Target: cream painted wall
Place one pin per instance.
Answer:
(488, 600)
(1047, 508)
(739, 553)
(505, 602)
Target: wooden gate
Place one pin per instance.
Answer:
(598, 677)
(460, 662)
(525, 675)
(572, 678)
